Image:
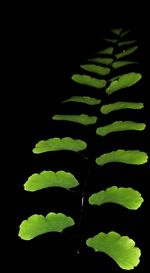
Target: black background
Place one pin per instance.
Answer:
(43, 47)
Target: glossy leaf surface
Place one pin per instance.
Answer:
(134, 157)
(109, 40)
(81, 119)
(127, 197)
(84, 99)
(120, 248)
(97, 69)
(107, 51)
(116, 31)
(123, 81)
(120, 105)
(120, 126)
(101, 60)
(124, 43)
(36, 225)
(46, 179)
(126, 52)
(124, 33)
(119, 64)
(88, 80)
(57, 144)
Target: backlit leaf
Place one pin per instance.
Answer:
(101, 60)
(124, 33)
(113, 41)
(84, 99)
(116, 31)
(47, 179)
(124, 43)
(126, 52)
(82, 119)
(57, 144)
(120, 126)
(134, 157)
(120, 248)
(127, 197)
(119, 105)
(107, 51)
(97, 69)
(36, 225)
(123, 81)
(119, 64)
(88, 80)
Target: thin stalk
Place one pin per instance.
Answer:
(83, 194)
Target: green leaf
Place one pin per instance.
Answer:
(47, 179)
(119, 64)
(108, 51)
(134, 157)
(124, 33)
(87, 80)
(123, 81)
(36, 225)
(126, 52)
(84, 99)
(58, 144)
(101, 60)
(126, 197)
(119, 105)
(120, 248)
(120, 126)
(116, 31)
(82, 119)
(113, 41)
(100, 70)
(124, 43)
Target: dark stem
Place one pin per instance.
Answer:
(83, 195)
(89, 164)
